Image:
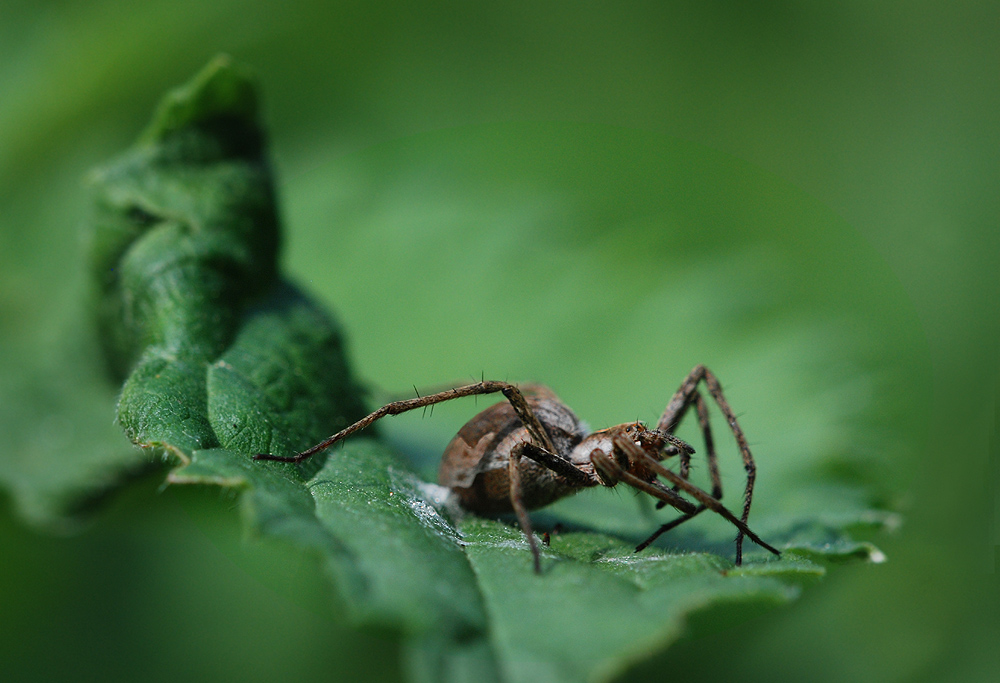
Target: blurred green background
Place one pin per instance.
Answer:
(882, 115)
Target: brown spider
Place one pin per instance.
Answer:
(531, 451)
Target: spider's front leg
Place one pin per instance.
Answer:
(641, 461)
(668, 423)
(685, 396)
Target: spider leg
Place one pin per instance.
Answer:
(677, 407)
(664, 528)
(672, 416)
(612, 473)
(558, 464)
(511, 392)
(637, 455)
(514, 474)
(701, 409)
(554, 462)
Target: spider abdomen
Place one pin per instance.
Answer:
(475, 463)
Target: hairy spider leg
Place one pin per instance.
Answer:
(555, 462)
(612, 474)
(672, 419)
(638, 456)
(675, 410)
(511, 392)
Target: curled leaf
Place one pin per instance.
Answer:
(215, 350)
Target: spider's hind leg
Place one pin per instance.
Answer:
(510, 392)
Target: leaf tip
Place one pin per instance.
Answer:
(222, 89)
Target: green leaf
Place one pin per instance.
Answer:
(603, 606)
(220, 358)
(215, 350)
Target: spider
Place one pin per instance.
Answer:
(532, 450)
